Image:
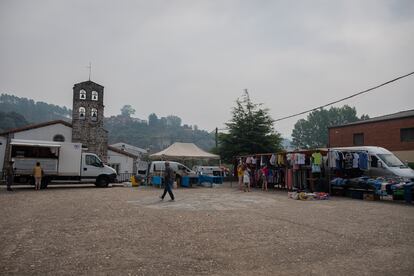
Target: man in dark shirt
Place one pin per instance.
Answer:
(9, 176)
(168, 180)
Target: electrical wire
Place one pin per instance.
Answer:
(346, 98)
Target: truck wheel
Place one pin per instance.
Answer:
(102, 182)
(44, 183)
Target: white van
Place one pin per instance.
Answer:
(158, 168)
(382, 162)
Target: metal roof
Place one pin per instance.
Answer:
(394, 116)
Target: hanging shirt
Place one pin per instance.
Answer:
(348, 160)
(280, 159)
(355, 161)
(363, 160)
(317, 158)
(272, 159)
(300, 158)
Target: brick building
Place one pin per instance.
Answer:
(394, 132)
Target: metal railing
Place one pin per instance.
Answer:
(124, 177)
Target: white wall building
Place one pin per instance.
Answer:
(121, 161)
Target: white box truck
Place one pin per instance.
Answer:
(61, 162)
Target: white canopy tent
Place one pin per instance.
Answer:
(183, 151)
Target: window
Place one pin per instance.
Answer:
(82, 112)
(92, 160)
(82, 94)
(94, 114)
(374, 161)
(407, 134)
(94, 96)
(59, 138)
(358, 139)
(115, 166)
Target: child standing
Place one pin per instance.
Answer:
(246, 179)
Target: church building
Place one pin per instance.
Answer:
(87, 127)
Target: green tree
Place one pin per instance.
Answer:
(127, 110)
(313, 132)
(250, 131)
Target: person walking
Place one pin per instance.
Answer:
(37, 174)
(168, 180)
(9, 176)
(240, 174)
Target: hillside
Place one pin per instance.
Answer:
(154, 133)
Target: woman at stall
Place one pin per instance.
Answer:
(240, 173)
(264, 172)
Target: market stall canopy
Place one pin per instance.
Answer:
(184, 151)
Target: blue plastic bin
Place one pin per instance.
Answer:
(156, 180)
(185, 181)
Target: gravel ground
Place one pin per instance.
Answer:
(218, 231)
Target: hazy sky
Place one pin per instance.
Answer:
(194, 58)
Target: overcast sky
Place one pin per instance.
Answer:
(194, 58)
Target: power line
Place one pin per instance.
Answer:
(346, 98)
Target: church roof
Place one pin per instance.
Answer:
(88, 82)
(33, 126)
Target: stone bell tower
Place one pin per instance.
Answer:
(88, 117)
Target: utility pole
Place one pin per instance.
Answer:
(216, 137)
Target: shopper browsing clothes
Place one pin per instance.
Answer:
(246, 179)
(168, 179)
(264, 171)
(37, 174)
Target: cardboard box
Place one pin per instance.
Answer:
(370, 196)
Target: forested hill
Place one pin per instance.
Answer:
(154, 133)
(33, 112)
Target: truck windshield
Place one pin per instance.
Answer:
(391, 161)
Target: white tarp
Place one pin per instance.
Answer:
(184, 151)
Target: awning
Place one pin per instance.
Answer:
(184, 151)
(34, 143)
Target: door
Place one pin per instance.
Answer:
(91, 166)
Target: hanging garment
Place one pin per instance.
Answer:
(363, 160)
(300, 158)
(317, 158)
(348, 160)
(316, 168)
(355, 161)
(280, 159)
(249, 160)
(254, 160)
(272, 160)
